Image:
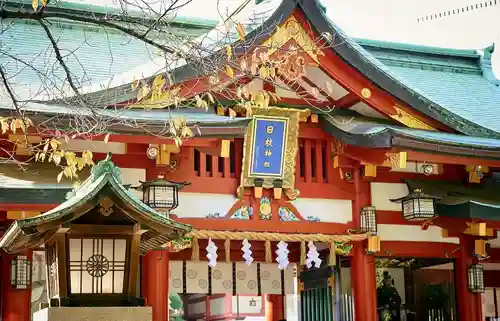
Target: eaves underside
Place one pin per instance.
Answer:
(376, 135)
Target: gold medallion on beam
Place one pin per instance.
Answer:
(366, 93)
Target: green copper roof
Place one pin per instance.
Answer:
(479, 201)
(103, 173)
(252, 16)
(191, 22)
(417, 48)
(455, 87)
(94, 55)
(147, 122)
(363, 132)
(460, 83)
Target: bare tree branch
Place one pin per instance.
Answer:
(9, 90)
(111, 21)
(214, 56)
(60, 59)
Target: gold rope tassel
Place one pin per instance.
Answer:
(269, 255)
(302, 253)
(227, 248)
(332, 259)
(195, 250)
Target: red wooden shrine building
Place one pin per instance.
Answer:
(366, 188)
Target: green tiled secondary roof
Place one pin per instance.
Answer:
(144, 121)
(361, 132)
(187, 22)
(480, 201)
(193, 116)
(33, 195)
(105, 177)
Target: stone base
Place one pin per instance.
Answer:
(95, 314)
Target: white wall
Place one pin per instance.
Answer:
(202, 204)
(133, 176)
(413, 233)
(327, 210)
(382, 193)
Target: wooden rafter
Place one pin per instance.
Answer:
(321, 91)
(347, 101)
(298, 89)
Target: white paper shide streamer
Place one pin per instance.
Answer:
(282, 255)
(247, 252)
(211, 253)
(312, 256)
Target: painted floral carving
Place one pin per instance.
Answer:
(243, 213)
(265, 209)
(287, 215)
(292, 67)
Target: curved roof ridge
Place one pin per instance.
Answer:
(104, 9)
(486, 66)
(383, 75)
(445, 51)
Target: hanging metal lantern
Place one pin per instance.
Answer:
(160, 194)
(475, 276)
(20, 272)
(417, 206)
(368, 219)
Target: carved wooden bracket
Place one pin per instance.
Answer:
(23, 143)
(480, 248)
(164, 151)
(106, 206)
(479, 229)
(476, 173)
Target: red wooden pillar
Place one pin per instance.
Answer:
(155, 283)
(274, 307)
(363, 276)
(363, 284)
(16, 304)
(468, 304)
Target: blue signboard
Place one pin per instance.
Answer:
(268, 147)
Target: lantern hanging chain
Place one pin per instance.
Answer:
(274, 237)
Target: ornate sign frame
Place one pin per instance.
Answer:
(290, 146)
(270, 122)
